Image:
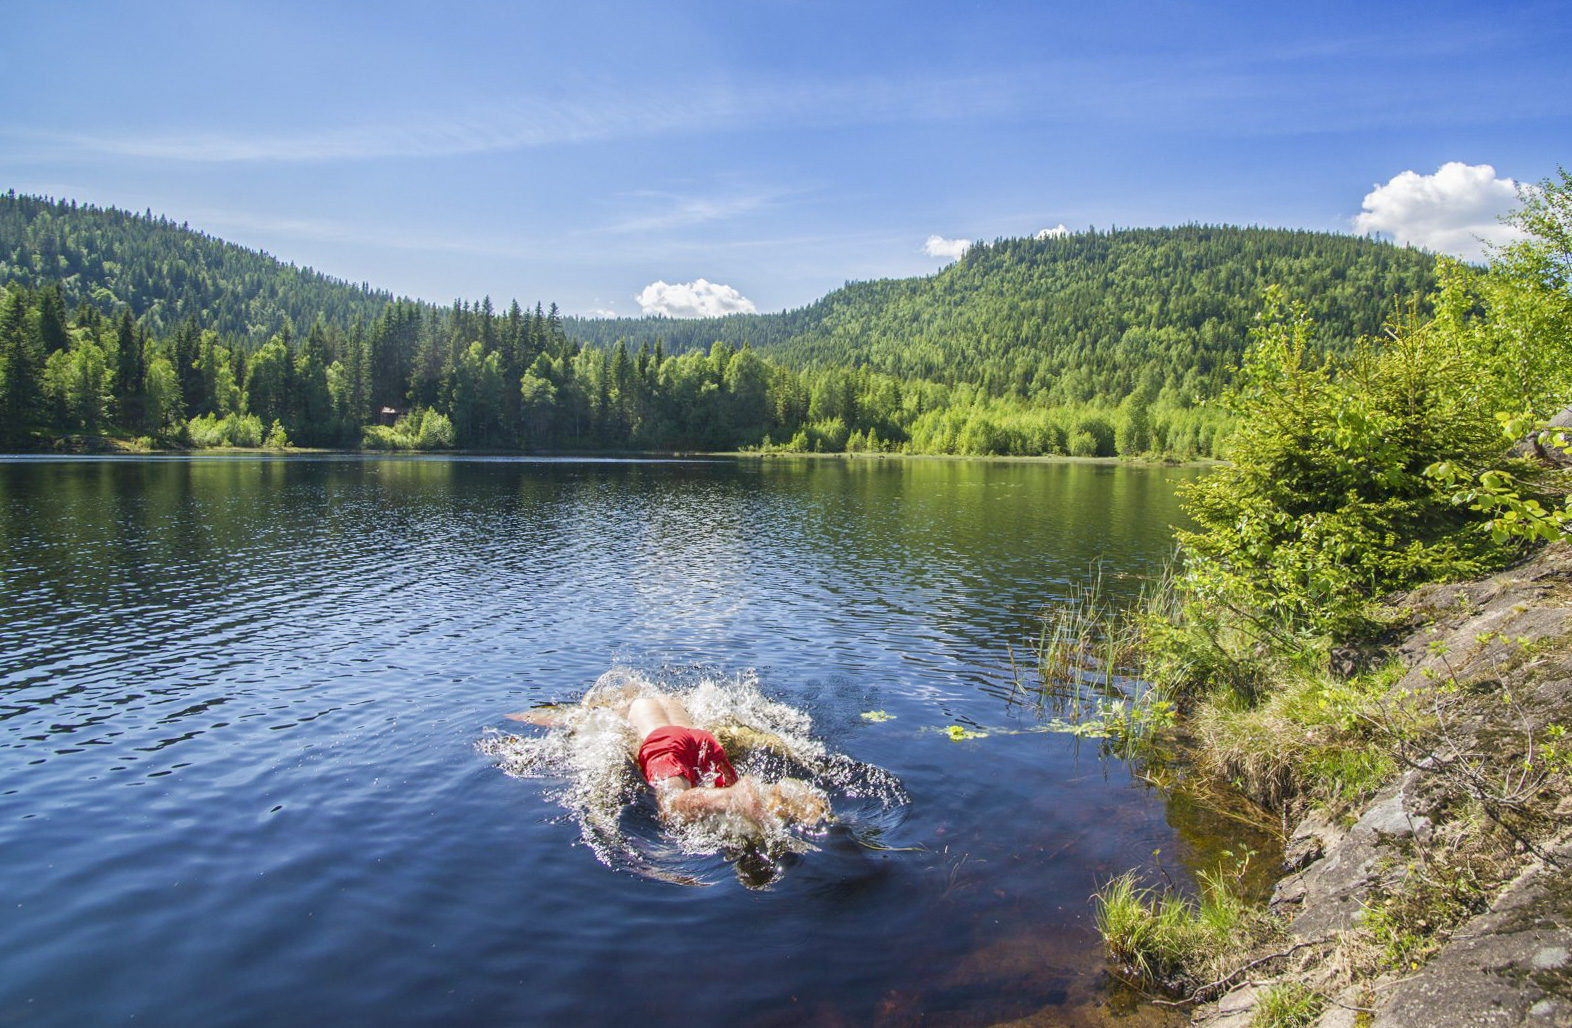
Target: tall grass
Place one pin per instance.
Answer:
(1090, 656)
(1163, 940)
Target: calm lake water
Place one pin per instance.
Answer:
(244, 703)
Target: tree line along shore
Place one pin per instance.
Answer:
(129, 327)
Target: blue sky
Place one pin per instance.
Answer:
(758, 153)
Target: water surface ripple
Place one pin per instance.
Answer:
(240, 700)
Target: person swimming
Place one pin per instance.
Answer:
(688, 767)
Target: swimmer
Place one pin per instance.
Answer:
(688, 767)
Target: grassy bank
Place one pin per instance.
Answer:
(1301, 643)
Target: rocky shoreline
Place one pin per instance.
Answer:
(1463, 864)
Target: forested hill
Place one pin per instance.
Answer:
(1093, 314)
(1085, 317)
(1090, 344)
(167, 272)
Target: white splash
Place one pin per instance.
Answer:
(590, 751)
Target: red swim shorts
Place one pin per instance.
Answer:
(694, 754)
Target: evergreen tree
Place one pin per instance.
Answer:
(52, 334)
(21, 367)
(130, 369)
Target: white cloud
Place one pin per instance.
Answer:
(949, 249)
(1455, 211)
(1053, 233)
(696, 299)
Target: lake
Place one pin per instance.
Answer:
(251, 712)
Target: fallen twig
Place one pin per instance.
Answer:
(1199, 994)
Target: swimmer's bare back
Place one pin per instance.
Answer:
(648, 713)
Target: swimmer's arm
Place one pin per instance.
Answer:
(678, 800)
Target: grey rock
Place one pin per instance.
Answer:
(1530, 446)
(1337, 1017)
(1309, 840)
(1508, 966)
(1235, 1010)
(1331, 890)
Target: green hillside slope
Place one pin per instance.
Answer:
(1075, 317)
(166, 272)
(1090, 344)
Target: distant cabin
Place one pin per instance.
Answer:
(389, 416)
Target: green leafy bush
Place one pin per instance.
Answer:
(1327, 502)
(417, 430)
(212, 432)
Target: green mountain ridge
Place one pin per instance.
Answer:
(1080, 316)
(1076, 318)
(1098, 343)
(166, 272)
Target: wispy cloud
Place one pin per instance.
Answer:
(517, 125)
(1455, 211)
(663, 210)
(529, 122)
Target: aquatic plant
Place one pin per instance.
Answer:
(1091, 666)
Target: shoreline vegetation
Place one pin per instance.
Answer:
(1368, 634)
(111, 445)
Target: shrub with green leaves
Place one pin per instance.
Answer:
(417, 430)
(1353, 478)
(1326, 503)
(209, 431)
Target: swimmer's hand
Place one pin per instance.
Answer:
(795, 802)
(546, 717)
